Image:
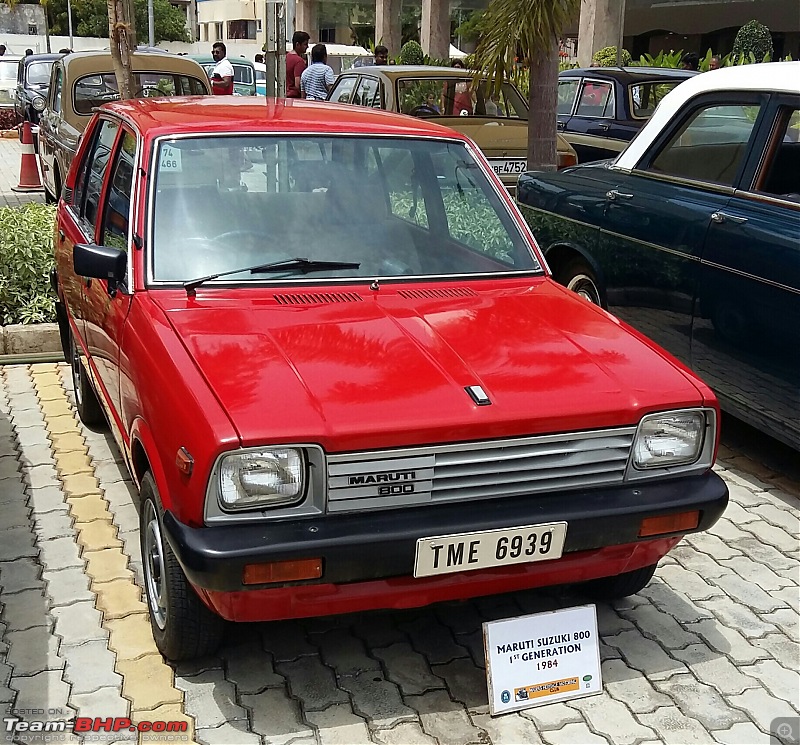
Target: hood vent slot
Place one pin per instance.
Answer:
(317, 298)
(441, 292)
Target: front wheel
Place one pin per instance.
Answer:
(86, 401)
(183, 628)
(579, 277)
(620, 586)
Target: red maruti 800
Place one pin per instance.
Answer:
(342, 378)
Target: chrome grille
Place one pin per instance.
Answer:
(477, 470)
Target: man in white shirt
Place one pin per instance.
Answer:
(222, 74)
(317, 79)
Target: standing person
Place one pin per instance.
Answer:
(690, 61)
(259, 60)
(2, 49)
(317, 79)
(296, 63)
(28, 51)
(222, 75)
(715, 62)
(381, 55)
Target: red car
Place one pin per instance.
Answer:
(342, 378)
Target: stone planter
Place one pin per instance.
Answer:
(39, 338)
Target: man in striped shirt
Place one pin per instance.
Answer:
(317, 78)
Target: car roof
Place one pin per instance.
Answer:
(628, 74)
(204, 59)
(399, 71)
(215, 114)
(95, 63)
(44, 57)
(767, 77)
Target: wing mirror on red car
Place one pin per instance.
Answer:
(100, 262)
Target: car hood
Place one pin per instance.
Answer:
(354, 369)
(496, 137)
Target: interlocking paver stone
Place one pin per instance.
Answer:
(747, 593)
(645, 655)
(107, 701)
(692, 584)
(552, 716)
(375, 699)
(337, 725)
(508, 730)
(97, 534)
(713, 545)
(408, 733)
(311, 682)
(78, 623)
(61, 553)
(119, 598)
(32, 436)
(48, 499)
(344, 652)
(446, 721)
(227, 734)
(210, 699)
(727, 641)
(700, 701)
(106, 564)
(88, 508)
(674, 728)
(465, 683)
(130, 637)
(251, 669)
(761, 575)
(16, 543)
(90, 667)
(10, 467)
(26, 610)
(715, 670)
(661, 627)
(37, 455)
(782, 648)
(777, 679)
(41, 476)
(55, 524)
(287, 641)
(276, 716)
(43, 690)
(612, 719)
(773, 535)
(33, 650)
(22, 574)
(738, 616)
(572, 734)
(786, 519)
(147, 682)
(434, 640)
(610, 622)
(745, 733)
(408, 668)
(762, 707)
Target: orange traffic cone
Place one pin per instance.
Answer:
(28, 170)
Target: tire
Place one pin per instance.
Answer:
(183, 628)
(579, 277)
(85, 398)
(620, 586)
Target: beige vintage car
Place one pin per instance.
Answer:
(82, 81)
(498, 123)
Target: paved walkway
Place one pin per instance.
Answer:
(707, 653)
(10, 158)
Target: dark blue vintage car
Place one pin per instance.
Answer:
(600, 109)
(692, 235)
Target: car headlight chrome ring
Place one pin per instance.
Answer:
(38, 103)
(670, 439)
(262, 478)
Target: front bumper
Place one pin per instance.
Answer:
(376, 546)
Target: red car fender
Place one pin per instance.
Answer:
(141, 435)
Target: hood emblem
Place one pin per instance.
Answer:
(478, 395)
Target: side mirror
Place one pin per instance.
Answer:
(100, 262)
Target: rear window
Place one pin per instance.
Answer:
(94, 90)
(39, 73)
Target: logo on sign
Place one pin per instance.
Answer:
(505, 696)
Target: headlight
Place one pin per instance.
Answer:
(38, 103)
(670, 439)
(261, 479)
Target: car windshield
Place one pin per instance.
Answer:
(451, 96)
(95, 90)
(393, 207)
(8, 70)
(39, 73)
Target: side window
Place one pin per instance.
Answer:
(780, 175)
(567, 90)
(58, 78)
(116, 216)
(596, 99)
(711, 145)
(343, 89)
(97, 166)
(368, 93)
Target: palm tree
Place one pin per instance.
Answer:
(529, 29)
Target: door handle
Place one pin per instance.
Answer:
(561, 125)
(721, 217)
(605, 127)
(613, 195)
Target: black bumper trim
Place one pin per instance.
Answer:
(376, 545)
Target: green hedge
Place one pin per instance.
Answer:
(26, 258)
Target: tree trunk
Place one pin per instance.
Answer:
(122, 35)
(542, 103)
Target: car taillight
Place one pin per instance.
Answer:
(567, 159)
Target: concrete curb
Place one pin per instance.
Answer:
(21, 339)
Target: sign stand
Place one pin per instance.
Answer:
(542, 658)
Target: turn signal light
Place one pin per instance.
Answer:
(282, 571)
(677, 523)
(566, 159)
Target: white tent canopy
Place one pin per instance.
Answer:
(456, 53)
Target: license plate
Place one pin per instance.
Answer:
(464, 552)
(508, 166)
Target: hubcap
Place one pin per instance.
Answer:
(583, 285)
(153, 554)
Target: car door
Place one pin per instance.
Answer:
(342, 90)
(747, 330)
(368, 92)
(107, 305)
(567, 95)
(661, 212)
(589, 126)
(48, 128)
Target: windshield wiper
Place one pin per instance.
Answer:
(299, 263)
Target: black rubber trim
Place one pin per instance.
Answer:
(375, 545)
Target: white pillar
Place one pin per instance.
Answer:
(599, 27)
(435, 31)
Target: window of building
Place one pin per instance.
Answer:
(218, 31)
(327, 35)
(241, 29)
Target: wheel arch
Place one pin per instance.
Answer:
(144, 457)
(558, 255)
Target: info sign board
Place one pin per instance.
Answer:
(542, 658)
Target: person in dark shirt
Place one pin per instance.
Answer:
(690, 61)
(295, 63)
